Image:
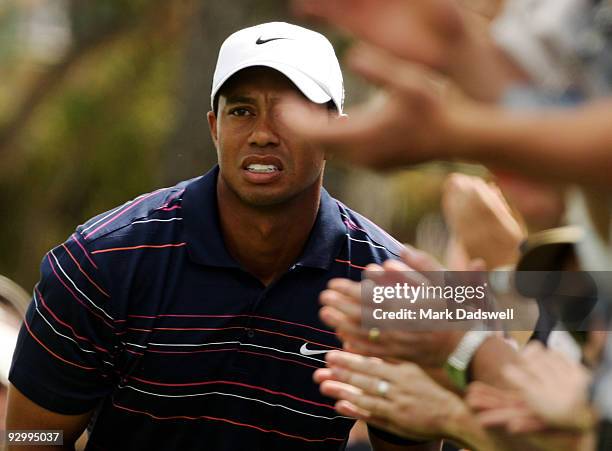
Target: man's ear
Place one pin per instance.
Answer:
(212, 125)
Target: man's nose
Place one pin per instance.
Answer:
(264, 133)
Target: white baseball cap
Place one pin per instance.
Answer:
(304, 56)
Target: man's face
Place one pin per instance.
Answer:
(260, 161)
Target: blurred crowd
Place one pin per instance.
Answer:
(522, 87)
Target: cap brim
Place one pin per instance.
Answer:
(310, 88)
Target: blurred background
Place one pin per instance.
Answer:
(102, 101)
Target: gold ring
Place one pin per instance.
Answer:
(382, 388)
(374, 334)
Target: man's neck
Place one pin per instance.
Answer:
(267, 241)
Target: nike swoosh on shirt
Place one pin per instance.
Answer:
(305, 351)
(263, 41)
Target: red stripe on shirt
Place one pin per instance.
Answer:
(100, 348)
(226, 420)
(84, 250)
(143, 246)
(84, 273)
(75, 296)
(348, 262)
(53, 353)
(121, 213)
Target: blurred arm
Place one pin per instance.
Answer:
(569, 145)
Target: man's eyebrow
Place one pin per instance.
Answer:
(232, 99)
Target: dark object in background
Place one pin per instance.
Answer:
(546, 272)
(605, 436)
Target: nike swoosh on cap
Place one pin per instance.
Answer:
(305, 351)
(263, 41)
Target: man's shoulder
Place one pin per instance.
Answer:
(148, 211)
(360, 228)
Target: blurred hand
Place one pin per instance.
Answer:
(550, 391)
(413, 406)
(502, 408)
(481, 221)
(553, 386)
(342, 310)
(408, 124)
(418, 30)
(439, 34)
(520, 425)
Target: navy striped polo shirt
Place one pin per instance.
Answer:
(143, 317)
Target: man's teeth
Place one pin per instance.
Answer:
(262, 168)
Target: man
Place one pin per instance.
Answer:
(188, 317)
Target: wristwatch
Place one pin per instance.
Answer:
(458, 361)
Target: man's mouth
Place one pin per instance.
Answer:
(262, 168)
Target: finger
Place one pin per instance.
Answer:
(348, 288)
(420, 261)
(396, 266)
(349, 409)
(396, 74)
(400, 271)
(366, 347)
(367, 384)
(344, 325)
(362, 365)
(478, 264)
(339, 390)
(483, 389)
(498, 417)
(375, 405)
(342, 303)
(525, 425)
(342, 135)
(322, 374)
(480, 396)
(481, 402)
(389, 276)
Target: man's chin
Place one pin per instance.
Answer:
(265, 200)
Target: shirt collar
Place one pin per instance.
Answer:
(202, 228)
(326, 237)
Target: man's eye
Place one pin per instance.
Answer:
(240, 112)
